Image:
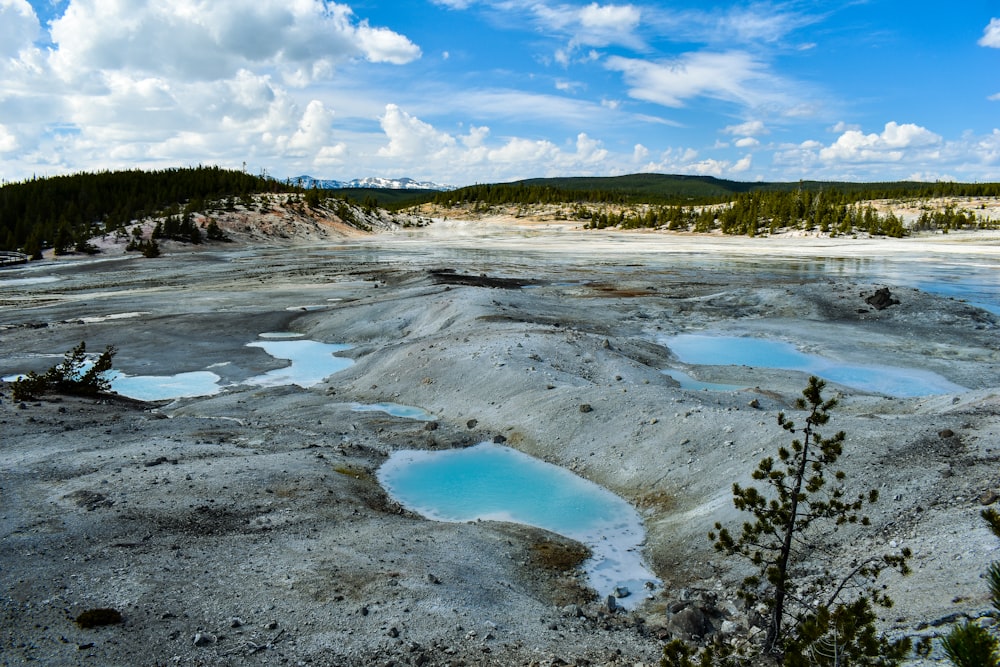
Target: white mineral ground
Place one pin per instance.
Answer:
(248, 528)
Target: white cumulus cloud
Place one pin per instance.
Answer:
(115, 83)
(411, 137)
(891, 145)
(991, 35)
(592, 25)
(195, 40)
(314, 129)
(19, 27)
(742, 165)
(519, 150)
(381, 45)
(607, 24)
(8, 142)
(589, 150)
(748, 129)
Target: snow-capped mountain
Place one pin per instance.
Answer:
(370, 182)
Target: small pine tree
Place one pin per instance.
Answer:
(33, 247)
(214, 232)
(814, 616)
(64, 237)
(992, 518)
(969, 645)
(150, 248)
(76, 374)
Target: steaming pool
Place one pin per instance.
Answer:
(494, 483)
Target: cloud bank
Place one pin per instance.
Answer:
(587, 88)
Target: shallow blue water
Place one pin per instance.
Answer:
(491, 482)
(745, 351)
(396, 410)
(980, 291)
(311, 362)
(20, 282)
(165, 387)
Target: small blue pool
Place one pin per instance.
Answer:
(492, 482)
(703, 349)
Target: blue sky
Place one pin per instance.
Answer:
(466, 91)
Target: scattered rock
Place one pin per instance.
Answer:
(586, 407)
(446, 277)
(948, 620)
(988, 497)
(93, 618)
(572, 611)
(882, 299)
(159, 461)
(729, 627)
(499, 440)
(472, 423)
(203, 639)
(946, 433)
(692, 621)
(89, 500)
(755, 404)
(431, 426)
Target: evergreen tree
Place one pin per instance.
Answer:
(150, 249)
(815, 615)
(214, 232)
(969, 644)
(76, 374)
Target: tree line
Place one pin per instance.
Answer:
(666, 190)
(63, 211)
(522, 193)
(753, 213)
(838, 209)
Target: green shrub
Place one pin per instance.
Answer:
(993, 581)
(969, 645)
(74, 375)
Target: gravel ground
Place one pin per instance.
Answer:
(248, 528)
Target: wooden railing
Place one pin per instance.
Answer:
(11, 257)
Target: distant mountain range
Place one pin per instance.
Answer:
(372, 182)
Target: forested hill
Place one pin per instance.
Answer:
(687, 190)
(34, 213)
